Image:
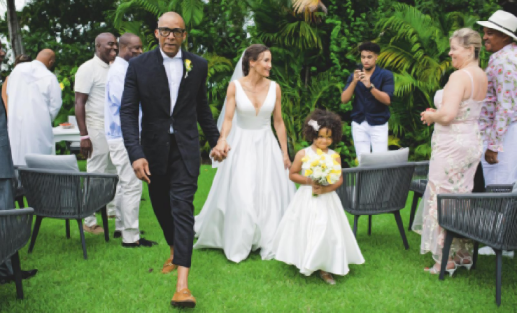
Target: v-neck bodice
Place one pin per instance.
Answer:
(247, 116)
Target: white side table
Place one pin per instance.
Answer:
(61, 134)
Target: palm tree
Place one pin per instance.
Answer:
(190, 10)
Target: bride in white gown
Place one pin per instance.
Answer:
(251, 189)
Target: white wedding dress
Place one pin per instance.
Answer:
(251, 189)
(315, 234)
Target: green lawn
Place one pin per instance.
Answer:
(115, 279)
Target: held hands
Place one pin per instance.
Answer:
(220, 151)
(141, 169)
(427, 116)
(86, 148)
(491, 156)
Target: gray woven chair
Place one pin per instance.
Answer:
(488, 218)
(18, 188)
(418, 185)
(15, 231)
(376, 190)
(67, 195)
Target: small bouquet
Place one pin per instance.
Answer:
(322, 168)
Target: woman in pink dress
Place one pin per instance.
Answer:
(456, 146)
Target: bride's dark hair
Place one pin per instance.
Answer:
(252, 53)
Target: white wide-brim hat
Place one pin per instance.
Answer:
(502, 21)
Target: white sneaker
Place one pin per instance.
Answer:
(508, 254)
(486, 251)
(489, 251)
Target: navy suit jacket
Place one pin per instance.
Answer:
(146, 84)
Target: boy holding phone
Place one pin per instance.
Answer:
(373, 87)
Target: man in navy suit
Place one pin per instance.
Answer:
(170, 85)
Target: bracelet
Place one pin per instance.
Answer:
(85, 137)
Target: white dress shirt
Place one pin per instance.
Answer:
(114, 91)
(174, 69)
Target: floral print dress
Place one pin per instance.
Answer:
(456, 152)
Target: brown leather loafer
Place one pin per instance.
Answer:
(168, 266)
(96, 230)
(183, 299)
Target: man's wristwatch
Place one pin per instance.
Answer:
(371, 87)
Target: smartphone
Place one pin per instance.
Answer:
(359, 67)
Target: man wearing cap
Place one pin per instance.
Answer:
(498, 120)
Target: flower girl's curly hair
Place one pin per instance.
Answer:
(325, 119)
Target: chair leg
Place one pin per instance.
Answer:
(35, 232)
(20, 202)
(445, 253)
(83, 241)
(15, 261)
(413, 210)
(67, 229)
(356, 221)
(498, 270)
(369, 225)
(401, 229)
(105, 225)
(475, 255)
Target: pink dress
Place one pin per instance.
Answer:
(456, 152)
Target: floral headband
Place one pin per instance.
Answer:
(314, 124)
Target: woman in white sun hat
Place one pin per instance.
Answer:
(498, 120)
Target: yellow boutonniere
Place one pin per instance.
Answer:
(62, 86)
(188, 67)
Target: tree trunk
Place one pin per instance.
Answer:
(15, 34)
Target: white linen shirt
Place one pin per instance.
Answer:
(174, 69)
(90, 79)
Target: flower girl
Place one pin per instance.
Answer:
(314, 233)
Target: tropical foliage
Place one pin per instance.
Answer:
(313, 42)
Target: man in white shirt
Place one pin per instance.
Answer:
(34, 99)
(90, 86)
(130, 46)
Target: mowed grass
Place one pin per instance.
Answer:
(114, 279)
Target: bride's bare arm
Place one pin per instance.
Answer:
(228, 117)
(280, 126)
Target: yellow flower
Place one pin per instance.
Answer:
(308, 172)
(328, 179)
(335, 156)
(62, 86)
(319, 152)
(336, 162)
(335, 172)
(305, 159)
(188, 65)
(315, 163)
(323, 165)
